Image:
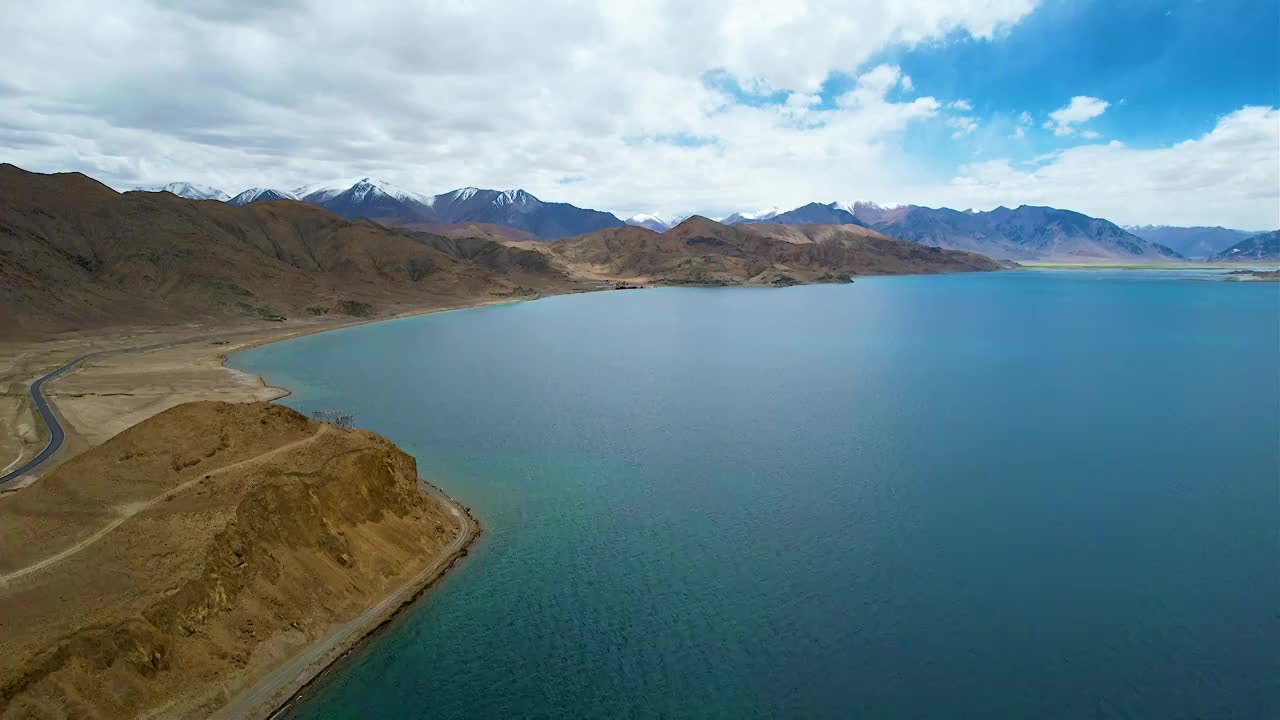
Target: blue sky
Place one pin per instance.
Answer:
(1168, 71)
(1138, 111)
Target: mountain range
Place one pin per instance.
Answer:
(1026, 232)
(386, 203)
(1263, 246)
(76, 254)
(811, 214)
(191, 191)
(1193, 242)
(1022, 233)
(700, 251)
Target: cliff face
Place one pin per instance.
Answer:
(258, 534)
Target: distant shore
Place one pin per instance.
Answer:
(1263, 265)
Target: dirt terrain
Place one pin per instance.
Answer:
(133, 376)
(182, 558)
(699, 251)
(175, 565)
(75, 255)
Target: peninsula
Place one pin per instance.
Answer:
(191, 549)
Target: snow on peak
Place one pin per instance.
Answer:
(513, 197)
(754, 215)
(258, 193)
(191, 191)
(645, 217)
(360, 188)
(463, 194)
(764, 214)
(853, 206)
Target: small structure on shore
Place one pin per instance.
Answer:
(334, 417)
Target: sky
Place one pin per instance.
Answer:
(1141, 112)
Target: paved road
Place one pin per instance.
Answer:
(264, 697)
(56, 435)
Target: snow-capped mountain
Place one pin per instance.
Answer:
(366, 197)
(650, 221)
(468, 200)
(749, 217)
(190, 191)
(379, 200)
(811, 214)
(260, 194)
(872, 213)
(519, 209)
(358, 190)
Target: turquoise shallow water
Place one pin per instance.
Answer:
(1025, 494)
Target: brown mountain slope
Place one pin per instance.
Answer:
(490, 231)
(75, 254)
(169, 567)
(702, 251)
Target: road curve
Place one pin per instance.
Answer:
(56, 434)
(265, 697)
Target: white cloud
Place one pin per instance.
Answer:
(422, 95)
(1025, 118)
(1090, 135)
(241, 93)
(962, 105)
(1082, 108)
(1229, 176)
(1019, 133)
(963, 126)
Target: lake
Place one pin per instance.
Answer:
(1049, 494)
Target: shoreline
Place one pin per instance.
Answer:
(274, 694)
(277, 690)
(278, 686)
(267, 698)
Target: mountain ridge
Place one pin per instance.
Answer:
(1193, 242)
(188, 190)
(1027, 232)
(1023, 233)
(1263, 246)
(75, 254)
(701, 251)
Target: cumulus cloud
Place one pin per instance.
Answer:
(963, 125)
(962, 105)
(437, 95)
(1229, 175)
(1082, 108)
(615, 96)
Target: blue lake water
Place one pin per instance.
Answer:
(1049, 494)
